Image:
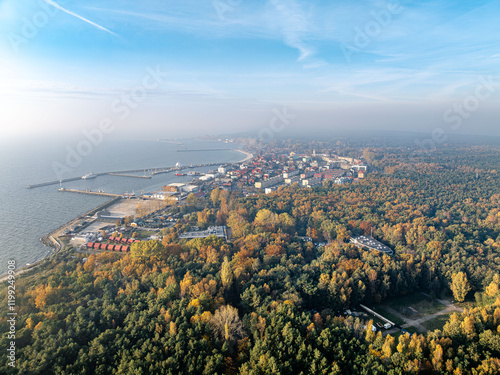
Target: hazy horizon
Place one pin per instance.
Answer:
(168, 69)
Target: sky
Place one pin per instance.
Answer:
(186, 68)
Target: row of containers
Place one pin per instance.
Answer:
(104, 246)
(112, 247)
(123, 240)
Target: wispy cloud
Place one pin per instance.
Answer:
(294, 26)
(55, 5)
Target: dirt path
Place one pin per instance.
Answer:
(408, 322)
(417, 323)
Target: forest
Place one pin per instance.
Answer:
(268, 302)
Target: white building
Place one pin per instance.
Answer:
(207, 177)
(269, 182)
(164, 195)
(190, 188)
(358, 167)
(311, 181)
(342, 180)
(291, 173)
(291, 180)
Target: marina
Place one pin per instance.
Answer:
(124, 173)
(42, 195)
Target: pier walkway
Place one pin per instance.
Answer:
(126, 175)
(153, 171)
(102, 193)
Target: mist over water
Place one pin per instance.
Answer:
(29, 214)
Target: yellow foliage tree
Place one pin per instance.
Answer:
(226, 273)
(460, 286)
(30, 324)
(437, 357)
(388, 346)
(492, 289)
(172, 329)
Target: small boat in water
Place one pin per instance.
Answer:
(89, 176)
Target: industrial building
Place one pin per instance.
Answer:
(219, 231)
(371, 243)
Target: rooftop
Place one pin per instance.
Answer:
(372, 243)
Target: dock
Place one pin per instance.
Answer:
(52, 182)
(207, 149)
(126, 175)
(90, 192)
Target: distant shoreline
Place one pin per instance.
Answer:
(248, 155)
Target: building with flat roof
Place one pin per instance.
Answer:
(311, 181)
(219, 231)
(291, 180)
(289, 174)
(269, 182)
(190, 188)
(371, 243)
(174, 187)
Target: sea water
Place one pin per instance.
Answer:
(29, 214)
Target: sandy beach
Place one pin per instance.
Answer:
(248, 155)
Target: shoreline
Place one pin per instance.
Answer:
(248, 155)
(51, 240)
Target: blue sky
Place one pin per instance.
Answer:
(229, 63)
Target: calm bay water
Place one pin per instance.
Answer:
(29, 214)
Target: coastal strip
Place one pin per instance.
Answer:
(248, 155)
(57, 232)
(52, 239)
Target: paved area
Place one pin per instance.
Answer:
(124, 207)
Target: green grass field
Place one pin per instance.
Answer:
(414, 306)
(412, 330)
(389, 316)
(436, 323)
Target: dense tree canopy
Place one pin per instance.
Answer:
(268, 302)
